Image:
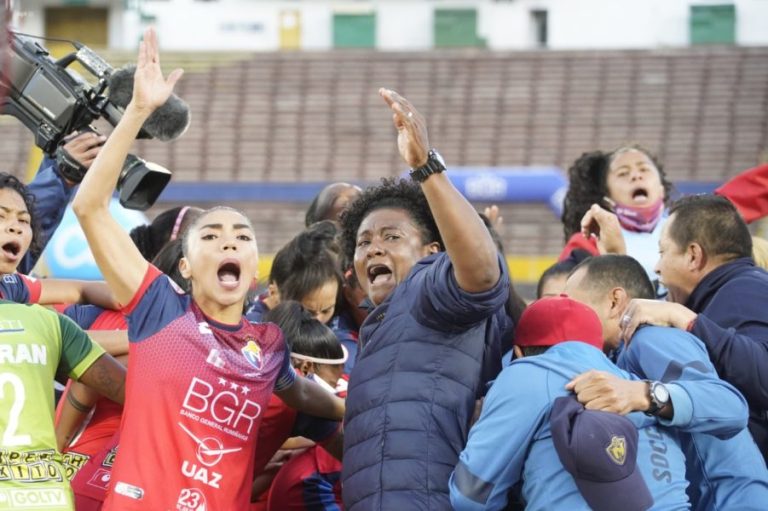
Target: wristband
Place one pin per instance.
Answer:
(69, 168)
(77, 405)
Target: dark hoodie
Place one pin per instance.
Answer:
(732, 307)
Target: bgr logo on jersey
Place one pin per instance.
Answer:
(229, 411)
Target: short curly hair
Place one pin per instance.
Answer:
(588, 178)
(12, 182)
(391, 193)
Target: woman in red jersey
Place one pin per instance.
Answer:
(200, 373)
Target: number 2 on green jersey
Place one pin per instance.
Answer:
(10, 438)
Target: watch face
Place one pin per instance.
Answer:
(660, 393)
(439, 157)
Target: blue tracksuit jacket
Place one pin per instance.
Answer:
(512, 442)
(724, 466)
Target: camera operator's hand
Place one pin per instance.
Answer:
(84, 147)
(412, 138)
(74, 158)
(150, 89)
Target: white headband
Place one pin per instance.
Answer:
(331, 361)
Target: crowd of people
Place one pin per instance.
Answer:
(388, 363)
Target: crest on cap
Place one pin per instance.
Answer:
(617, 449)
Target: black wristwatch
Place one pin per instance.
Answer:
(658, 394)
(435, 164)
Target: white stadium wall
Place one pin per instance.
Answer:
(407, 24)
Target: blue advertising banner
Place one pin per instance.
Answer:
(67, 254)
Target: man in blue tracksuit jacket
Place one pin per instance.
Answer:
(512, 442)
(724, 466)
(719, 296)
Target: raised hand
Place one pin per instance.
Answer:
(84, 147)
(492, 213)
(150, 89)
(605, 226)
(120, 262)
(412, 138)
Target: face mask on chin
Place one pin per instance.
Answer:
(323, 384)
(639, 218)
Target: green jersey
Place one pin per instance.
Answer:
(36, 346)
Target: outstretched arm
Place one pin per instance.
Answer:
(467, 241)
(309, 397)
(601, 390)
(54, 291)
(680, 360)
(118, 258)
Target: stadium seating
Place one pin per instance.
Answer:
(273, 117)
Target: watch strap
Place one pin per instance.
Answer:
(434, 165)
(655, 405)
(68, 167)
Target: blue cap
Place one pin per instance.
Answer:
(599, 449)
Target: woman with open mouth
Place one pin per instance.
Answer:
(616, 204)
(20, 233)
(437, 288)
(200, 373)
